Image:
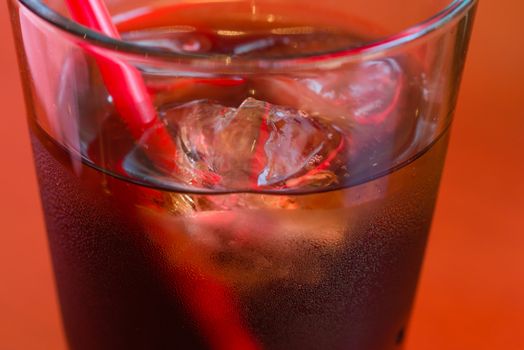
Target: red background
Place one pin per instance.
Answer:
(471, 295)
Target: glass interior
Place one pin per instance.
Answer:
(380, 21)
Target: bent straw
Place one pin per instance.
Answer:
(127, 88)
(208, 299)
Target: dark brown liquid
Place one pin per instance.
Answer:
(117, 289)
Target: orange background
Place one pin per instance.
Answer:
(471, 294)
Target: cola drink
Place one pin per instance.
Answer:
(297, 216)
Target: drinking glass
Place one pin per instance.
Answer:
(240, 174)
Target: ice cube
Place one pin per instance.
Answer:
(258, 145)
(372, 102)
(196, 126)
(258, 240)
(371, 91)
(365, 92)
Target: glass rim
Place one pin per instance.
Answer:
(455, 9)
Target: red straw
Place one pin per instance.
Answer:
(209, 301)
(127, 88)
